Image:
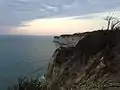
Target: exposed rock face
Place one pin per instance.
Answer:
(67, 40)
(90, 61)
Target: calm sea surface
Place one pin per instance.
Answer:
(23, 55)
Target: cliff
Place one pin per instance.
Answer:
(82, 61)
(85, 61)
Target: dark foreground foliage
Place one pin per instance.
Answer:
(26, 84)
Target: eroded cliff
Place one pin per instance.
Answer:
(85, 61)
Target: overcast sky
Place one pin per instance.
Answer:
(48, 16)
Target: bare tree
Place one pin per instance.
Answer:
(115, 23)
(112, 22)
(108, 19)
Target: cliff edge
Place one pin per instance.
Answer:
(85, 61)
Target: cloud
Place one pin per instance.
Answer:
(42, 10)
(103, 2)
(14, 12)
(66, 6)
(51, 7)
(94, 15)
(53, 26)
(23, 0)
(99, 15)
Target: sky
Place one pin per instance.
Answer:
(54, 17)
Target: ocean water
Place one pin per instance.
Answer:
(23, 55)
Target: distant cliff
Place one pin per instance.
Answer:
(85, 61)
(67, 40)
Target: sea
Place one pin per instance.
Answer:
(22, 55)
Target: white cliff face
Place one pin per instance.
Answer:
(67, 41)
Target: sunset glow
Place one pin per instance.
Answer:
(57, 26)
